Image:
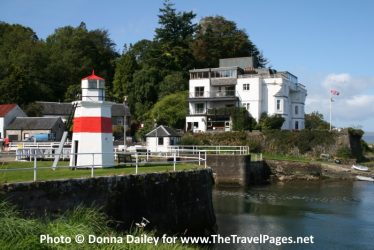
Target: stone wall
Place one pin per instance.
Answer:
(175, 202)
(287, 170)
(237, 170)
(229, 169)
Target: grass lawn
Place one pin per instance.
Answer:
(66, 173)
(285, 158)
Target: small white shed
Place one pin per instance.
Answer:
(160, 138)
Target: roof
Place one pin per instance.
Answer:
(120, 110)
(65, 108)
(34, 123)
(55, 108)
(93, 77)
(163, 131)
(6, 108)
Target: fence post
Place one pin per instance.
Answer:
(34, 167)
(175, 159)
(93, 163)
(199, 158)
(205, 159)
(136, 163)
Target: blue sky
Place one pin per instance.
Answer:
(327, 44)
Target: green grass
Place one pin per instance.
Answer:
(268, 156)
(17, 232)
(67, 173)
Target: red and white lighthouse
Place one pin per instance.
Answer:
(92, 142)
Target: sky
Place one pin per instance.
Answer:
(327, 44)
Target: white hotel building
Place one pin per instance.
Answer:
(237, 83)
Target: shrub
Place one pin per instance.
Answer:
(189, 139)
(344, 152)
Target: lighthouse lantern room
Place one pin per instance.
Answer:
(92, 142)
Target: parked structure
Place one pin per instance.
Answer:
(8, 112)
(23, 128)
(161, 138)
(92, 143)
(236, 83)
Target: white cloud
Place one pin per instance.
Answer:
(354, 105)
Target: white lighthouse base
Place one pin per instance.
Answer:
(88, 153)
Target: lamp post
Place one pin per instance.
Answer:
(124, 122)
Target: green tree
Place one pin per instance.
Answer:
(125, 69)
(173, 38)
(171, 110)
(267, 122)
(315, 120)
(173, 83)
(74, 52)
(242, 120)
(218, 38)
(143, 92)
(23, 60)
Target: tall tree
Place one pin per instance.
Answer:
(75, 51)
(143, 91)
(173, 38)
(22, 66)
(125, 68)
(171, 110)
(218, 38)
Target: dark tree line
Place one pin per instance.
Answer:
(33, 69)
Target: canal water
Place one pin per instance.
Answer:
(339, 215)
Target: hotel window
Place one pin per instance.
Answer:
(296, 110)
(278, 105)
(246, 105)
(199, 108)
(199, 91)
(246, 86)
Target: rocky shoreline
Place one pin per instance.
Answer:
(282, 171)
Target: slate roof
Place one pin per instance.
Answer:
(119, 110)
(163, 131)
(55, 108)
(64, 109)
(6, 108)
(33, 123)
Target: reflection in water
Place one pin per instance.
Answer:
(340, 215)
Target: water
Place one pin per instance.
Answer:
(369, 138)
(339, 215)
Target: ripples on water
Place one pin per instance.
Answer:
(340, 215)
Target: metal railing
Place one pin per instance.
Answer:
(13, 146)
(137, 159)
(213, 94)
(210, 149)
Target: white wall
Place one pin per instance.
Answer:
(5, 121)
(152, 144)
(199, 83)
(201, 120)
(2, 131)
(93, 142)
(253, 96)
(262, 97)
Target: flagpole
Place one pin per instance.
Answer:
(330, 109)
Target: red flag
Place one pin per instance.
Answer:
(334, 92)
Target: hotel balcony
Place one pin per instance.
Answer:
(226, 95)
(211, 111)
